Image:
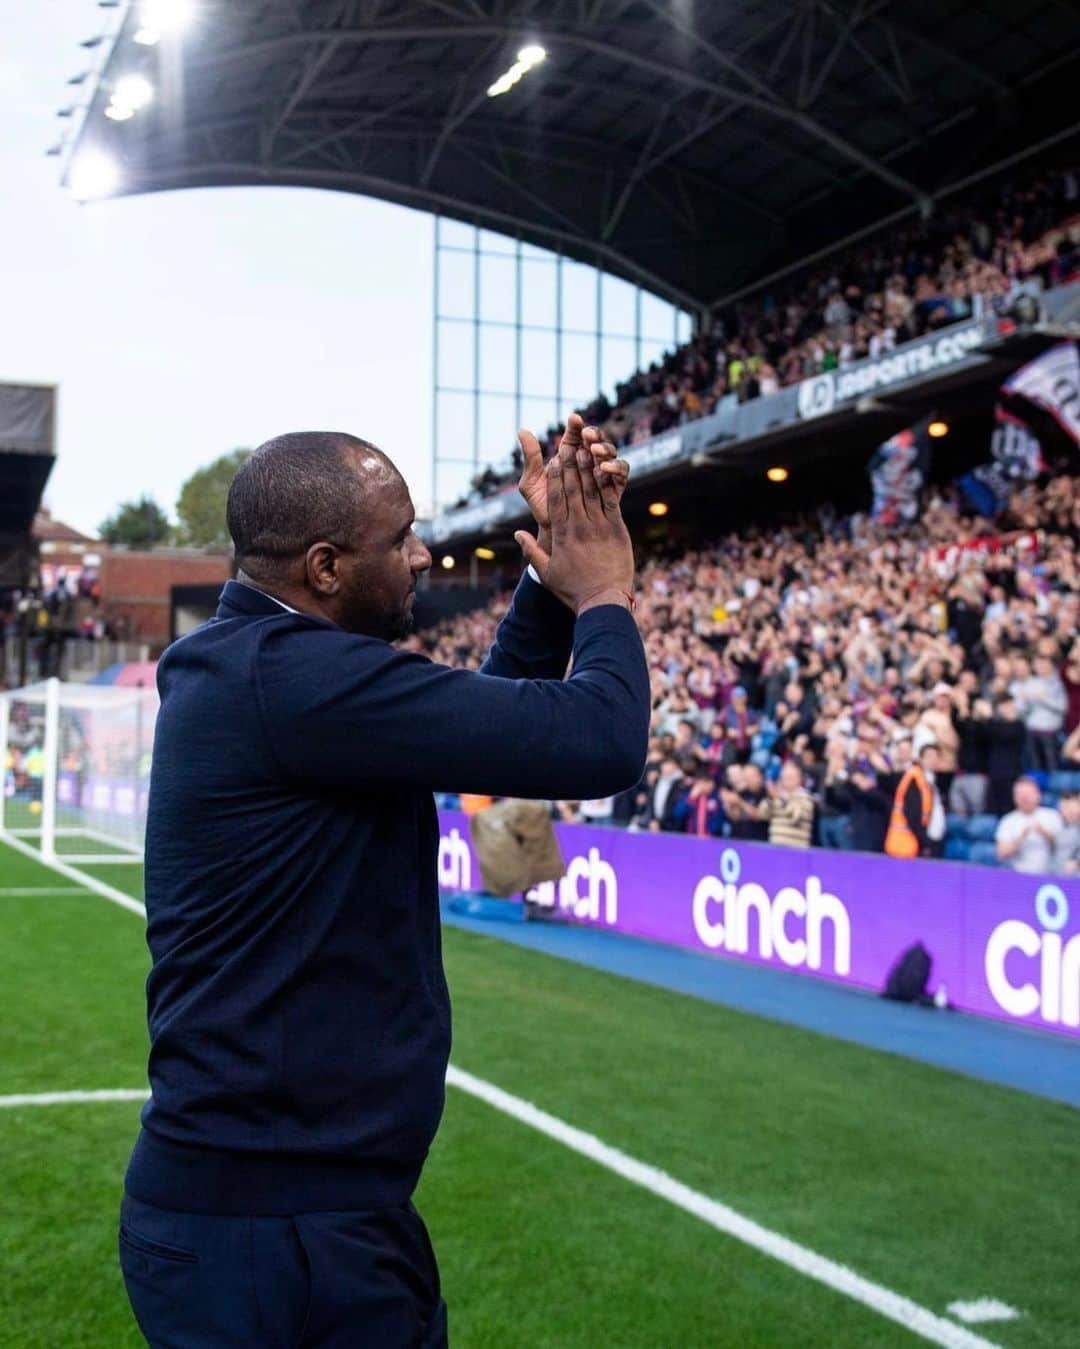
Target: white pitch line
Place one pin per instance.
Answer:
(79, 877)
(31, 891)
(919, 1320)
(74, 1097)
(982, 1309)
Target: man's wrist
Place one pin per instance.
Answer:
(610, 595)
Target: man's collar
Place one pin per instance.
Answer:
(241, 600)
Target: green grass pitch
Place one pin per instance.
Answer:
(933, 1185)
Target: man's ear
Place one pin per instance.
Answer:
(321, 569)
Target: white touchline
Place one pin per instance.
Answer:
(919, 1320)
(74, 1097)
(79, 877)
(882, 1300)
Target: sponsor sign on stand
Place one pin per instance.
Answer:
(1004, 945)
(821, 394)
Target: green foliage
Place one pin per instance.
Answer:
(137, 524)
(200, 506)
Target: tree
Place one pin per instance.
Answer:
(137, 524)
(200, 506)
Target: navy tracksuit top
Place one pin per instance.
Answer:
(299, 1017)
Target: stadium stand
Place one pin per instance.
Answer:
(970, 262)
(840, 646)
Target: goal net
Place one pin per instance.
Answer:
(76, 763)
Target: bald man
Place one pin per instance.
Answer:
(298, 1013)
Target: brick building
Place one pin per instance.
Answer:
(134, 588)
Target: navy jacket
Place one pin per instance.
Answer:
(299, 1018)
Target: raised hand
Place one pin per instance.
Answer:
(590, 558)
(533, 482)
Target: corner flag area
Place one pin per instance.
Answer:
(618, 1164)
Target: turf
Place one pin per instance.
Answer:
(935, 1185)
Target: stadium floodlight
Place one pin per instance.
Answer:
(119, 112)
(158, 18)
(527, 59)
(778, 473)
(485, 554)
(133, 91)
(938, 428)
(658, 508)
(448, 562)
(93, 175)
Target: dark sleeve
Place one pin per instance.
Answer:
(535, 637)
(348, 711)
(913, 813)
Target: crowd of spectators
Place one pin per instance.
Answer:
(799, 672)
(965, 262)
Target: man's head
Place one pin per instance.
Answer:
(1026, 795)
(1069, 806)
(324, 521)
(929, 757)
(790, 777)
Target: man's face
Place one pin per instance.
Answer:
(1026, 796)
(790, 777)
(378, 575)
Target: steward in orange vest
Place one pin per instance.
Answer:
(912, 806)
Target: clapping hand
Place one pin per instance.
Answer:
(589, 558)
(533, 482)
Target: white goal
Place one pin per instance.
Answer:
(76, 769)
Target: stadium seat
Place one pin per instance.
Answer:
(1065, 780)
(982, 828)
(957, 849)
(956, 826)
(984, 853)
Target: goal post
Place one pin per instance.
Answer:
(76, 769)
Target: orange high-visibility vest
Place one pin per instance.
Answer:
(900, 841)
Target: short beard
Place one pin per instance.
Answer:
(401, 627)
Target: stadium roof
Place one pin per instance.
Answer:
(692, 147)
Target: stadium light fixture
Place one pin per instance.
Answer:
(658, 508)
(485, 554)
(130, 93)
(93, 175)
(778, 473)
(134, 91)
(160, 18)
(527, 59)
(938, 428)
(447, 562)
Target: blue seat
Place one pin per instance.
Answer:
(1040, 776)
(1065, 780)
(982, 828)
(984, 853)
(957, 849)
(956, 826)
(1049, 798)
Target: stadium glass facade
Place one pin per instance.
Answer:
(521, 335)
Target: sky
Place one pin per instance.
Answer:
(184, 324)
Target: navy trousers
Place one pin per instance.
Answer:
(309, 1281)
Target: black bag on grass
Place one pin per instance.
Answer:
(908, 977)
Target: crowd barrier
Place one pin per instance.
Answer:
(1003, 945)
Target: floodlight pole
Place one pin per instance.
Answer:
(51, 749)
